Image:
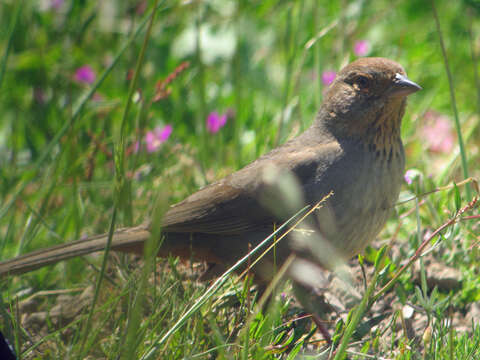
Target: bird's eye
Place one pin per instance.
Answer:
(362, 82)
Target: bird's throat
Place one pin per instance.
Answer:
(382, 132)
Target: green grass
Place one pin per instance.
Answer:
(67, 169)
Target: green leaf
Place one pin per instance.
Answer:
(458, 198)
(295, 351)
(361, 259)
(379, 257)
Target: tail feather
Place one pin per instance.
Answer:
(128, 239)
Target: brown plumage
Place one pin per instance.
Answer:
(353, 148)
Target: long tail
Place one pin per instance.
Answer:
(127, 240)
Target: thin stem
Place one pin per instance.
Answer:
(123, 185)
(358, 313)
(453, 99)
(200, 83)
(99, 282)
(11, 31)
(474, 58)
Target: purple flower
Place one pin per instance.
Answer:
(85, 74)
(409, 176)
(155, 138)
(215, 122)
(361, 48)
(328, 76)
(56, 4)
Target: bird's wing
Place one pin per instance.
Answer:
(216, 209)
(231, 205)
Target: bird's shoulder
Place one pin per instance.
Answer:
(296, 154)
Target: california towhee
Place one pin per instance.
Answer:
(353, 148)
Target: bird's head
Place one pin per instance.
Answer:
(367, 101)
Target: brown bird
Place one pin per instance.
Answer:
(353, 148)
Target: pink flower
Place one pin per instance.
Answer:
(85, 74)
(361, 48)
(328, 76)
(409, 176)
(215, 122)
(438, 133)
(155, 138)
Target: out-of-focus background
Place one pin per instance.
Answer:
(221, 83)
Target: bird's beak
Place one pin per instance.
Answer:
(403, 86)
